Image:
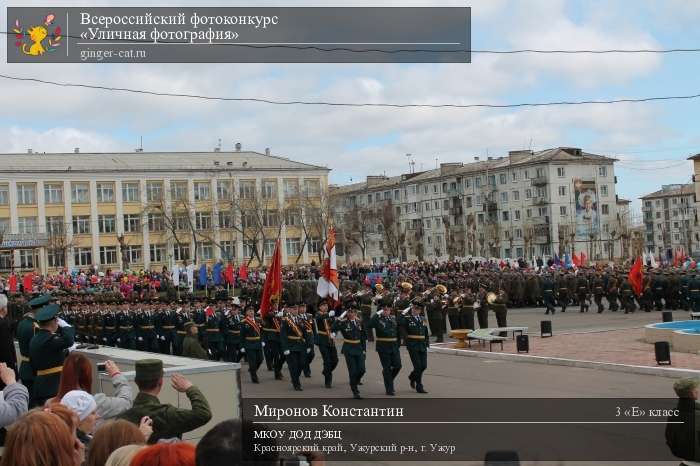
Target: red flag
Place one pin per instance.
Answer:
(228, 274)
(27, 282)
(13, 283)
(576, 260)
(272, 291)
(584, 259)
(209, 311)
(243, 271)
(328, 282)
(636, 276)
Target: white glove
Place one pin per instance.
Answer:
(119, 340)
(62, 323)
(308, 350)
(140, 338)
(331, 314)
(263, 344)
(342, 316)
(286, 352)
(333, 334)
(279, 314)
(242, 350)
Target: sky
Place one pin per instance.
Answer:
(651, 140)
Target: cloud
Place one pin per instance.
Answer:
(18, 139)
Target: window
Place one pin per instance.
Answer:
(225, 220)
(312, 188)
(397, 194)
(437, 205)
(269, 189)
(562, 190)
(602, 171)
(82, 256)
(387, 195)
(56, 257)
(503, 178)
(224, 189)
(108, 255)
(228, 250)
(516, 195)
(201, 190)
(181, 222)
(178, 190)
(438, 222)
(427, 224)
(314, 245)
(53, 193)
(155, 222)
(477, 182)
(27, 259)
(26, 193)
(154, 191)
(202, 220)
(478, 199)
(247, 189)
(369, 199)
(132, 223)
(292, 217)
(130, 191)
(249, 248)
(435, 189)
(157, 252)
(505, 215)
(504, 196)
(26, 225)
(518, 234)
(291, 188)
(604, 190)
(4, 194)
(467, 182)
(425, 188)
(491, 180)
(528, 213)
(105, 192)
(80, 193)
(106, 224)
(562, 210)
(181, 252)
(605, 209)
(427, 206)
(133, 253)
(480, 218)
(561, 173)
(516, 213)
(446, 204)
(205, 251)
(55, 225)
(81, 224)
(270, 218)
(528, 193)
(4, 227)
(269, 247)
(378, 197)
(249, 219)
(293, 246)
(469, 202)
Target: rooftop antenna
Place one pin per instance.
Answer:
(219, 144)
(436, 162)
(408, 156)
(530, 144)
(140, 148)
(413, 166)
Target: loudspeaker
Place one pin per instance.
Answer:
(522, 342)
(667, 316)
(546, 328)
(662, 350)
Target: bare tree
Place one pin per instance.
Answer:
(316, 218)
(357, 224)
(394, 236)
(57, 244)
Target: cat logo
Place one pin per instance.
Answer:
(37, 40)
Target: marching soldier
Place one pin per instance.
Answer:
(366, 307)
(26, 329)
(582, 292)
(354, 346)
(694, 285)
(233, 334)
(417, 343)
(167, 322)
(387, 346)
(548, 294)
(47, 350)
(181, 318)
(308, 321)
(658, 285)
(685, 291)
(403, 301)
(435, 318)
(326, 343)
(500, 308)
(293, 343)
(482, 310)
(252, 344)
(215, 339)
(125, 329)
(272, 349)
(613, 294)
(627, 295)
(598, 290)
(467, 311)
(563, 292)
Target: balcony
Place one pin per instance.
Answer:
(539, 181)
(456, 211)
(490, 206)
(539, 200)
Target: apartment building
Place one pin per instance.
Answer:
(671, 220)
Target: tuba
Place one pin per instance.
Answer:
(491, 297)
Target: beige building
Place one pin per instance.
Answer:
(146, 210)
(523, 205)
(671, 220)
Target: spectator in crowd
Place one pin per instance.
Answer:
(682, 439)
(77, 375)
(168, 421)
(122, 456)
(15, 397)
(191, 348)
(8, 355)
(41, 438)
(170, 454)
(85, 407)
(113, 435)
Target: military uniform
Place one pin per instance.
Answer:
(191, 348)
(500, 308)
(627, 296)
(165, 328)
(326, 346)
(562, 293)
(366, 311)
(387, 347)
(466, 314)
(548, 295)
(181, 318)
(125, 330)
(252, 345)
(598, 291)
(233, 337)
(659, 288)
(168, 421)
(109, 329)
(272, 349)
(694, 292)
(613, 294)
(25, 332)
(46, 353)
(293, 344)
(308, 322)
(354, 349)
(215, 340)
(435, 319)
(417, 343)
(582, 292)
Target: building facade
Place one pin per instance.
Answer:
(671, 220)
(527, 204)
(146, 210)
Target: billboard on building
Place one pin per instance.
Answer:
(586, 199)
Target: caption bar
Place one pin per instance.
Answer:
(463, 429)
(238, 35)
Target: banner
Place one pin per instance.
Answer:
(587, 221)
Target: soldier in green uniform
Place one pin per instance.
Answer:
(434, 310)
(47, 350)
(191, 348)
(598, 291)
(325, 341)
(548, 294)
(387, 346)
(613, 293)
(500, 308)
(168, 421)
(308, 321)
(354, 346)
(215, 340)
(684, 283)
(582, 292)
(366, 308)
(25, 332)
(403, 301)
(271, 337)
(658, 285)
(233, 334)
(181, 318)
(627, 295)
(252, 345)
(417, 343)
(293, 344)
(562, 292)
(694, 292)
(466, 320)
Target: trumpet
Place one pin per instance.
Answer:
(458, 299)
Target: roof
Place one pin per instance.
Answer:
(694, 157)
(671, 190)
(148, 161)
(559, 154)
